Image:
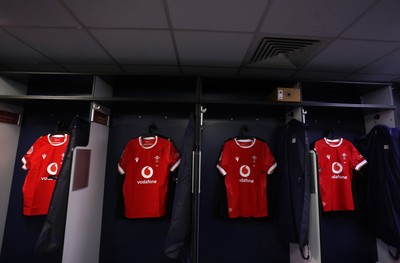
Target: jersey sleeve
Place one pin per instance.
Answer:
(174, 156)
(357, 159)
(26, 159)
(222, 160)
(315, 146)
(124, 159)
(270, 162)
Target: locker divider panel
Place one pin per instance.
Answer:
(83, 224)
(85, 205)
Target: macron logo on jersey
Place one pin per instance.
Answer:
(44, 156)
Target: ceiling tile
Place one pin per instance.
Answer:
(138, 46)
(35, 13)
(212, 49)
(349, 55)
(378, 23)
(64, 45)
(120, 14)
(14, 51)
(312, 17)
(151, 70)
(389, 64)
(94, 69)
(360, 40)
(228, 15)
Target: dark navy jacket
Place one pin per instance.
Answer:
(293, 183)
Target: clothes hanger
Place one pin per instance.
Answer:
(61, 129)
(244, 134)
(329, 134)
(150, 134)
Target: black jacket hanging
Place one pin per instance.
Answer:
(383, 171)
(293, 184)
(178, 237)
(51, 238)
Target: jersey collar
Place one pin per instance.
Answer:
(238, 142)
(141, 138)
(49, 136)
(333, 142)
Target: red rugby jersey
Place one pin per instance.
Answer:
(336, 160)
(43, 160)
(146, 163)
(245, 165)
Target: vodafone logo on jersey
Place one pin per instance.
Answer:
(244, 172)
(337, 168)
(52, 169)
(147, 172)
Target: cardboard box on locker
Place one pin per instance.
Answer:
(285, 95)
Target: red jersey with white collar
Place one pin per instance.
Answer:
(146, 163)
(43, 160)
(245, 165)
(336, 160)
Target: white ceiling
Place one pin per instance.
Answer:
(359, 40)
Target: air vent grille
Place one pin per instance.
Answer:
(282, 52)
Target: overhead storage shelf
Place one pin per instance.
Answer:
(191, 90)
